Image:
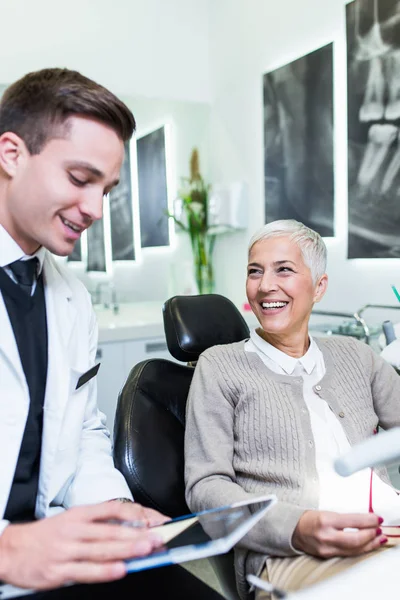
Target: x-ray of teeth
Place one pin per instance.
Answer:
(76, 254)
(392, 170)
(373, 107)
(153, 191)
(121, 213)
(380, 139)
(392, 110)
(373, 67)
(298, 141)
(96, 252)
(369, 43)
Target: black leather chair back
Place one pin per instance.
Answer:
(149, 434)
(150, 417)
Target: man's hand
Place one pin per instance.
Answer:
(321, 533)
(79, 545)
(148, 516)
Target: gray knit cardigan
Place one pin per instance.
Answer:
(248, 432)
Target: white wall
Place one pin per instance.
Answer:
(152, 47)
(247, 39)
(197, 51)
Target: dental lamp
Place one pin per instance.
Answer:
(381, 449)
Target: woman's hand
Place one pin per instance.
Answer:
(322, 534)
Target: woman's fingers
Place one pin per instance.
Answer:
(333, 551)
(355, 520)
(323, 533)
(349, 543)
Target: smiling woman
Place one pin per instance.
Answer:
(281, 288)
(270, 414)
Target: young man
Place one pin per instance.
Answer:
(61, 148)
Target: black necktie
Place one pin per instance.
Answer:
(25, 272)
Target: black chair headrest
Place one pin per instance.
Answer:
(194, 323)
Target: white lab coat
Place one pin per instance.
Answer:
(76, 463)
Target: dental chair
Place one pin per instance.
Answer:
(150, 416)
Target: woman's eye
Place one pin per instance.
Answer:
(285, 270)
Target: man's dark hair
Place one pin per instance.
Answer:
(36, 106)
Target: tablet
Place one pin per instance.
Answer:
(191, 537)
(203, 534)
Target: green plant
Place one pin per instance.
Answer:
(192, 217)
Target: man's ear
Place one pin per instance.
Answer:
(12, 149)
(321, 288)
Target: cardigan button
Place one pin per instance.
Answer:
(341, 415)
(318, 388)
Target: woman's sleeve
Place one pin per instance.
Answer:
(385, 388)
(209, 474)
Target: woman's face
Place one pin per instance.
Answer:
(280, 288)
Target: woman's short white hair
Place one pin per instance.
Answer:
(311, 244)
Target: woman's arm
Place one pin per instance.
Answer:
(385, 388)
(287, 529)
(209, 473)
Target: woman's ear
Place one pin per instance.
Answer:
(12, 148)
(321, 288)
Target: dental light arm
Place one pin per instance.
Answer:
(382, 449)
(391, 354)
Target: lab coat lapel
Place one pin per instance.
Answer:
(61, 316)
(8, 345)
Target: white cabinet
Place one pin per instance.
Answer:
(138, 350)
(117, 359)
(110, 378)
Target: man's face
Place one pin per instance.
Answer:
(52, 197)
